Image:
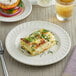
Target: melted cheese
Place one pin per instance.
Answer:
(8, 2)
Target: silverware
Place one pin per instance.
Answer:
(2, 59)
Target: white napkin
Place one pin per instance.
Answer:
(34, 2)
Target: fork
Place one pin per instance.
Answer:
(2, 59)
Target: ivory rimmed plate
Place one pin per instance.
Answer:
(53, 55)
(27, 11)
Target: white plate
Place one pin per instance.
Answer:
(59, 51)
(27, 11)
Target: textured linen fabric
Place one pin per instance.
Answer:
(70, 69)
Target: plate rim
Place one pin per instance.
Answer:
(2, 20)
(68, 50)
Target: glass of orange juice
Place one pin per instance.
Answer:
(64, 9)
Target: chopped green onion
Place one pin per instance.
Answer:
(44, 31)
(50, 52)
(57, 42)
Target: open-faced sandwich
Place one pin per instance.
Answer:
(9, 8)
(38, 42)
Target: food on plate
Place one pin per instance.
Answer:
(9, 8)
(38, 42)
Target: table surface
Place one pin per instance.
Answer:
(45, 14)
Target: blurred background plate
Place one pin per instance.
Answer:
(27, 11)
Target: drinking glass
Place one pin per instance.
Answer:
(64, 9)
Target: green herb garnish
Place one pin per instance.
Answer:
(37, 33)
(33, 49)
(21, 4)
(42, 54)
(57, 42)
(50, 52)
(44, 31)
(45, 37)
(32, 45)
(10, 11)
(22, 47)
(30, 39)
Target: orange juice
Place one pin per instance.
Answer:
(64, 8)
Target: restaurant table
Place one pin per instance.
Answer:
(45, 14)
